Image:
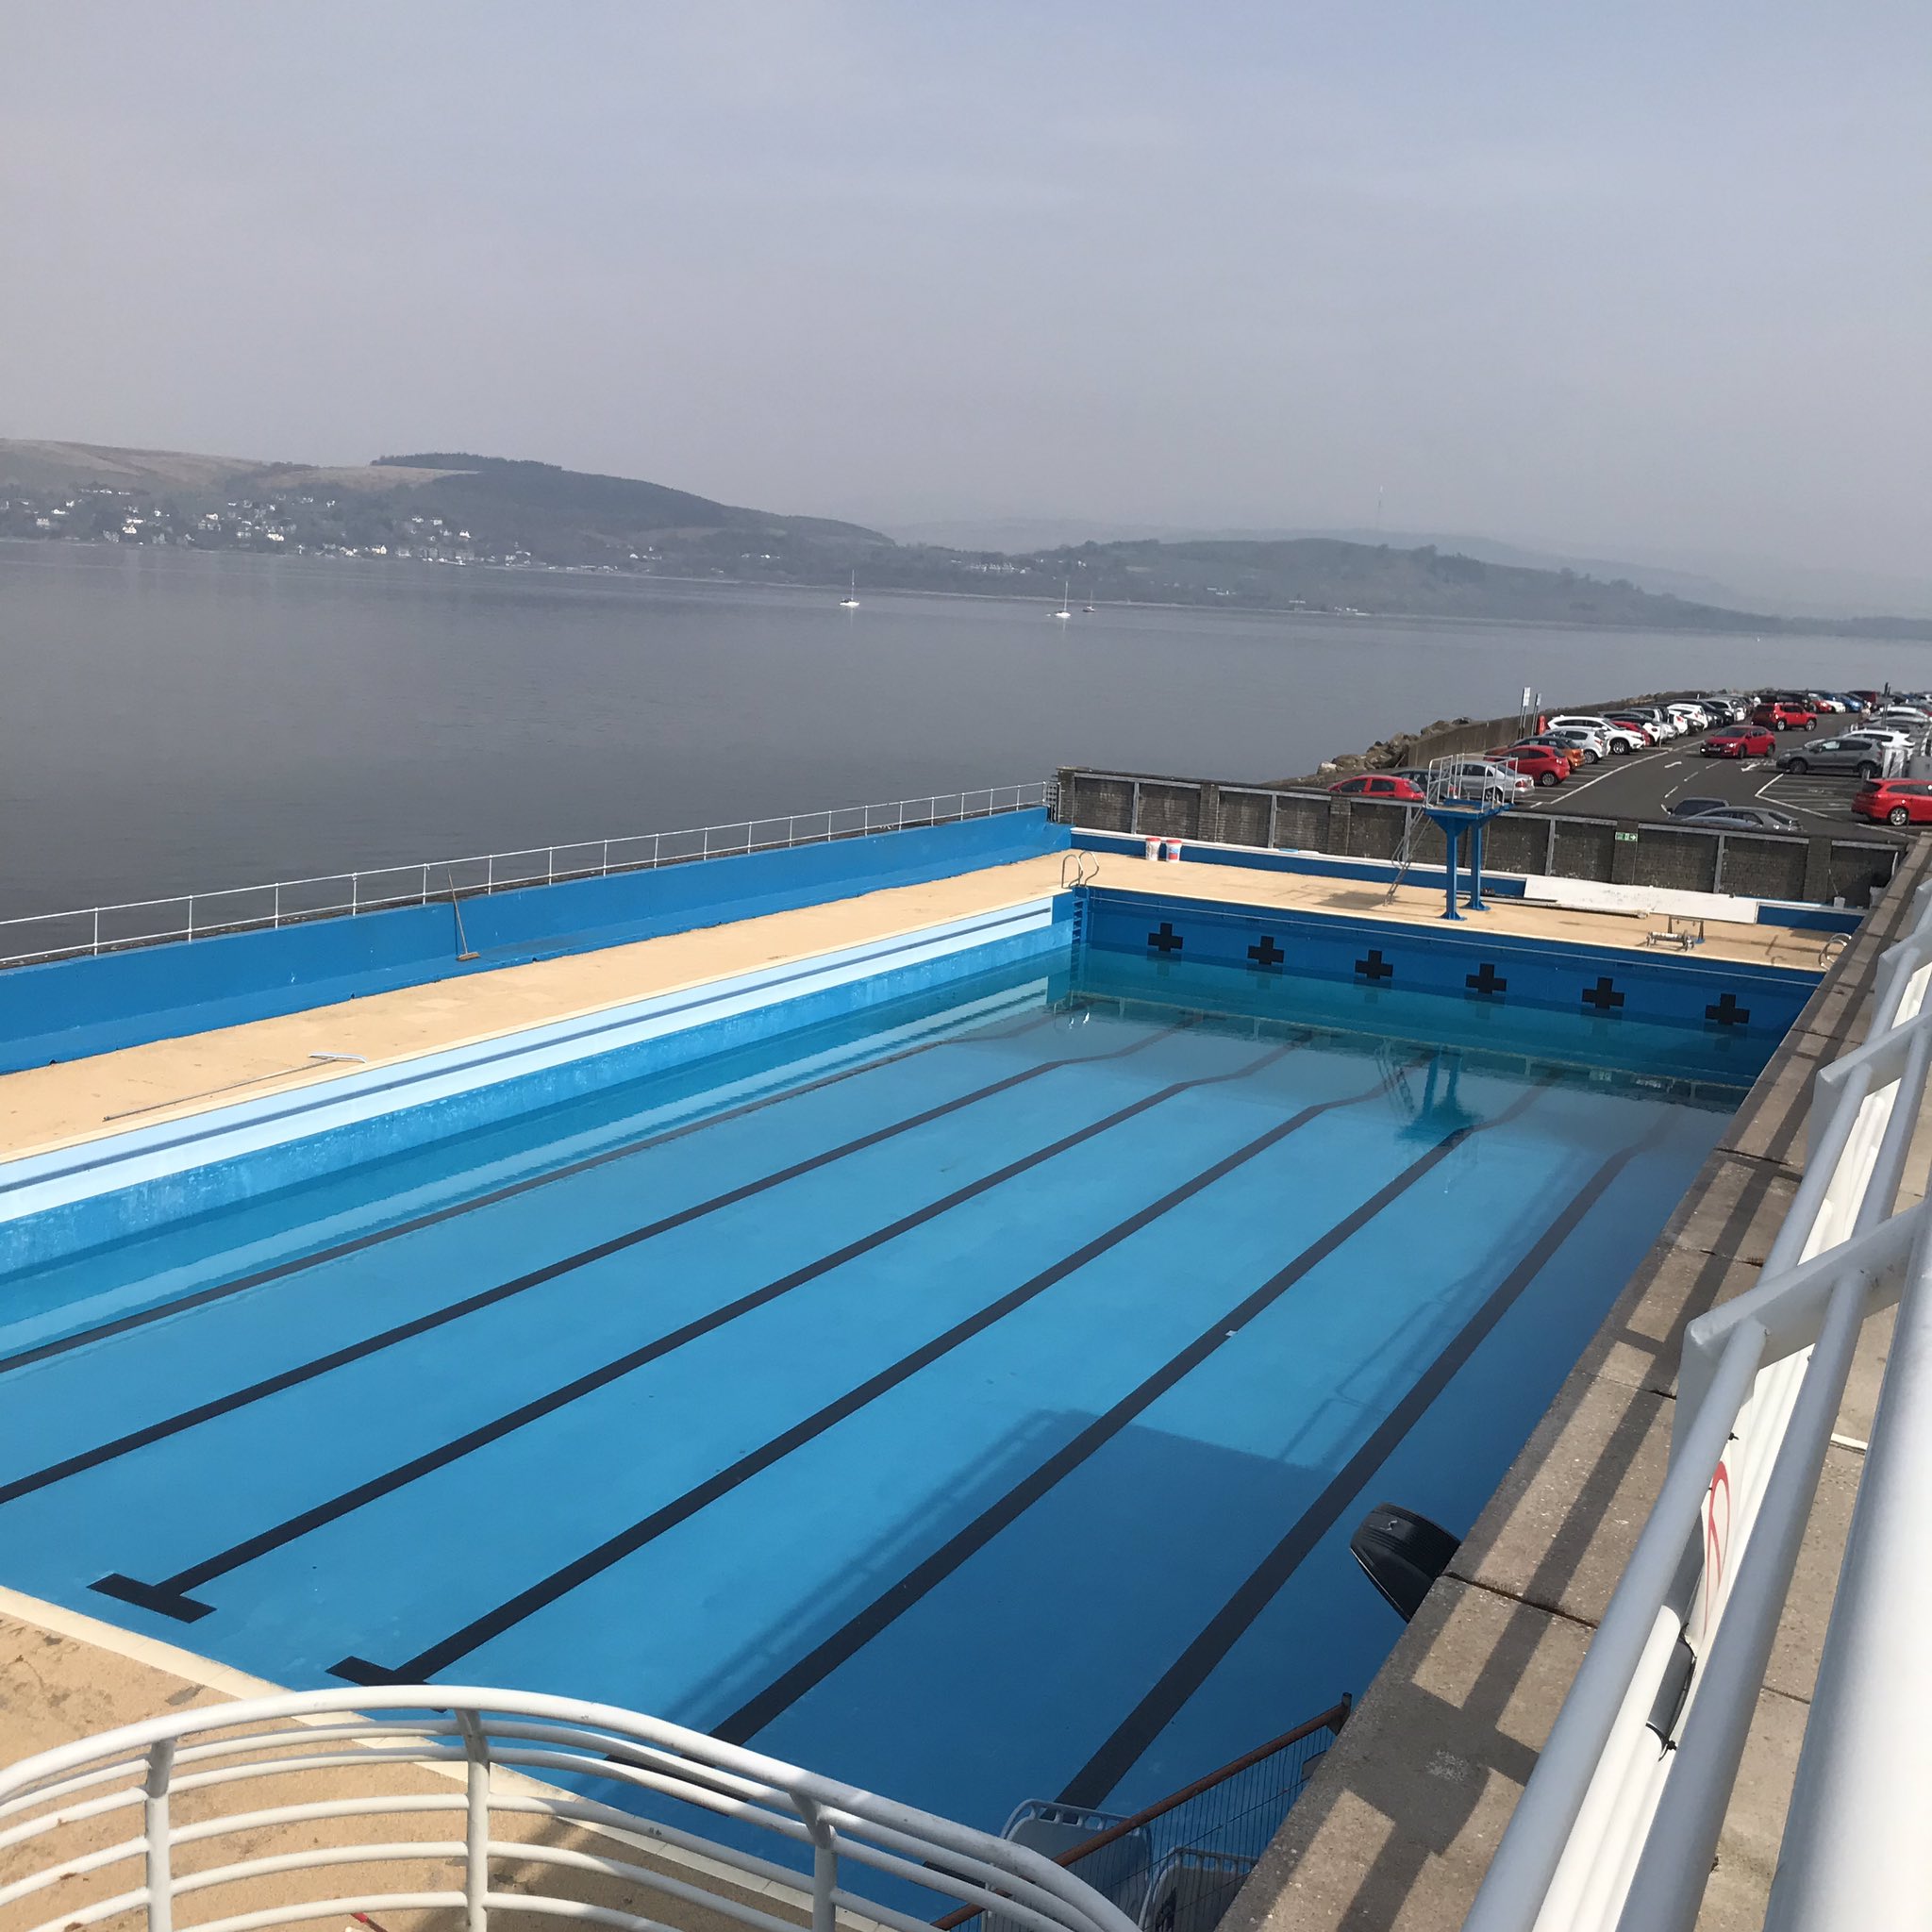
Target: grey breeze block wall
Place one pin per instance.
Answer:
(1819, 867)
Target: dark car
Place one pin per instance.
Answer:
(1745, 818)
(1865, 757)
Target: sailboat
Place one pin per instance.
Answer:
(1066, 609)
(850, 600)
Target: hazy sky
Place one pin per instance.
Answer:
(1613, 275)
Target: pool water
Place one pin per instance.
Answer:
(973, 1399)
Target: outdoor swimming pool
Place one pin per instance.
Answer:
(970, 1396)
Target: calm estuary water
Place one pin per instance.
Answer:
(177, 721)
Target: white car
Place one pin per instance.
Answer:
(1689, 716)
(1504, 779)
(1616, 737)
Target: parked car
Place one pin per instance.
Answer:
(1648, 729)
(1618, 738)
(1655, 718)
(1740, 742)
(1854, 752)
(1388, 784)
(1471, 772)
(1746, 818)
(1784, 715)
(1696, 808)
(1895, 801)
(1692, 717)
(1822, 701)
(1572, 751)
(1593, 744)
(1543, 762)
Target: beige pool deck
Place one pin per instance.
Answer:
(45, 1107)
(1401, 1817)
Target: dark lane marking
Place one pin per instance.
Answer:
(489, 1297)
(812, 1669)
(168, 1598)
(560, 1582)
(122, 1325)
(1151, 1715)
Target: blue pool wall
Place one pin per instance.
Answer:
(71, 1008)
(1756, 1003)
(1497, 884)
(127, 1182)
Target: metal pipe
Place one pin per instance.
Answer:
(157, 1834)
(1668, 1889)
(1519, 1874)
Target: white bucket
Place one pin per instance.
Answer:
(1174, 849)
(1154, 848)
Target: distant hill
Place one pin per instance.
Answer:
(454, 507)
(494, 489)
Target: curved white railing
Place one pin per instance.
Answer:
(369, 1777)
(1619, 1823)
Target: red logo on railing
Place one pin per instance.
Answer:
(1717, 1533)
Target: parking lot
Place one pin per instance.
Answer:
(1645, 784)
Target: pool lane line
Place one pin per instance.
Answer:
(169, 1597)
(568, 1577)
(1138, 1730)
(141, 1317)
(843, 1644)
(437, 1317)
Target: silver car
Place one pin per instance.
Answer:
(1854, 753)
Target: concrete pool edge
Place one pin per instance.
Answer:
(1399, 1822)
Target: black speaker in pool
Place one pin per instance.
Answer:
(1403, 1553)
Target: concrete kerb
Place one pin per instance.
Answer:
(1404, 1813)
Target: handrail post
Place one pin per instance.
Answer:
(98, 929)
(705, 851)
(278, 904)
(476, 1836)
(355, 893)
(158, 1836)
(489, 875)
(550, 866)
(604, 869)
(190, 917)
(825, 1865)
(422, 897)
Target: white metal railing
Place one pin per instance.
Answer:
(254, 1780)
(243, 909)
(1621, 1818)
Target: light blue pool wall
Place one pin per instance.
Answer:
(69, 1008)
(134, 1181)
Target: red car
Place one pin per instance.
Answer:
(1375, 785)
(1543, 762)
(1781, 715)
(1894, 801)
(1740, 742)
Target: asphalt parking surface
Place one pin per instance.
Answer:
(1645, 784)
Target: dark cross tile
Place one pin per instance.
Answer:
(1374, 967)
(1166, 941)
(1604, 996)
(1728, 1012)
(1487, 983)
(1266, 954)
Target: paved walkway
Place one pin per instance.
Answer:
(78, 1100)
